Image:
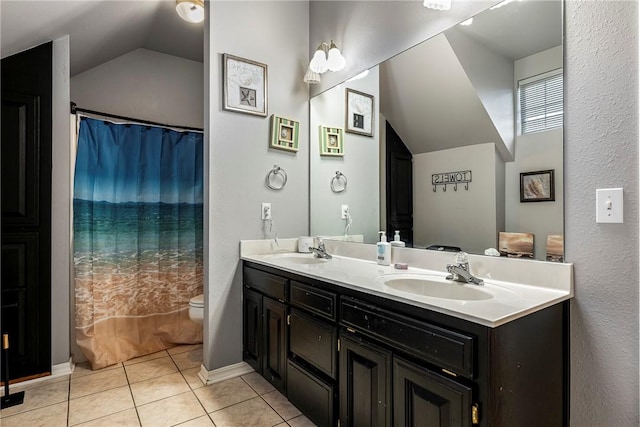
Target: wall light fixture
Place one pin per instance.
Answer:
(327, 57)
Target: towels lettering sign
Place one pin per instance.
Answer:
(453, 178)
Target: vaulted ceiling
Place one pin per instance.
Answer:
(99, 30)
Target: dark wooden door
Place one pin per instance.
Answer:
(365, 384)
(252, 329)
(26, 210)
(427, 399)
(274, 359)
(399, 187)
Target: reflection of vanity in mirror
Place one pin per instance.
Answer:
(444, 160)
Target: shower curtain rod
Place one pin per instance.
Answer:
(75, 109)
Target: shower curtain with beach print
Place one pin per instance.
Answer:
(137, 239)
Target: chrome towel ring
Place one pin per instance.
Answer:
(339, 182)
(277, 170)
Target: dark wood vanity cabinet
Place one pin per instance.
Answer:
(355, 359)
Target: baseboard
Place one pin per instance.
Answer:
(59, 370)
(211, 377)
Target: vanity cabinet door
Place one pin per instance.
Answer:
(365, 384)
(252, 329)
(425, 398)
(274, 360)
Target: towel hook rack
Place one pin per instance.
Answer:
(340, 178)
(276, 170)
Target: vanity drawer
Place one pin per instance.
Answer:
(267, 283)
(311, 395)
(316, 342)
(444, 348)
(315, 300)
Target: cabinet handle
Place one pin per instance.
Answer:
(319, 338)
(475, 414)
(289, 319)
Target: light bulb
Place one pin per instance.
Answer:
(335, 60)
(319, 62)
(437, 4)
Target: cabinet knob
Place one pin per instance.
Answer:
(319, 338)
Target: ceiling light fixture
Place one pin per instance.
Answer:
(437, 4)
(190, 10)
(327, 57)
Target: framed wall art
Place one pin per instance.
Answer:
(284, 133)
(245, 85)
(358, 112)
(537, 186)
(331, 141)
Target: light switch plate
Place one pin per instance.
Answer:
(609, 202)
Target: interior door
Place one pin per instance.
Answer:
(399, 171)
(26, 210)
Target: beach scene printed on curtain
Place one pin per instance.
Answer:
(138, 218)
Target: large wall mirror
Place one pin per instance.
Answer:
(465, 139)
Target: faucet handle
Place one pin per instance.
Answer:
(462, 258)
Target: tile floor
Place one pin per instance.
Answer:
(161, 389)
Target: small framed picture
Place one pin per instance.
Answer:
(537, 186)
(358, 113)
(284, 133)
(331, 141)
(245, 85)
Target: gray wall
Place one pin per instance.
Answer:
(601, 150)
(277, 34)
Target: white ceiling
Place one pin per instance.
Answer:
(99, 30)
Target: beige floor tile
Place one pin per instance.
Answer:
(301, 421)
(170, 411)
(158, 388)
(258, 383)
(128, 418)
(54, 415)
(198, 422)
(192, 378)
(100, 381)
(39, 397)
(188, 359)
(283, 425)
(156, 355)
(184, 348)
(223, 394)
(150, 369)
(84, 368)
(281, 405)
(254, 412)
(99, 405)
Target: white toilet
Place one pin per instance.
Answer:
(196, 308)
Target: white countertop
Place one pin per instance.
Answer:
(502, 301)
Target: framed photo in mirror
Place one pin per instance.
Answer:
(245, 85)
(284, 133)
(537, 186)
(358, 112)
(331, 141)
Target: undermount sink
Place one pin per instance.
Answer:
(436, 287)
(297, 258)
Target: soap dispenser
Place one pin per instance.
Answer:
(384, 249)
(396, 240)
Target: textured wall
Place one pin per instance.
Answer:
(601, 151)
(274, 33)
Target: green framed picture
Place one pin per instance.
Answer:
(331, 141)
(284, 133)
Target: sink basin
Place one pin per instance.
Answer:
(437, 288)
(300, 259)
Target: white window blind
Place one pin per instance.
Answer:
(541, 102)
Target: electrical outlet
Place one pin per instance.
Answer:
(344, 211)
(266, 211)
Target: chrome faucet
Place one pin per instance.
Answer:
(320, 251)
(459, 271)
